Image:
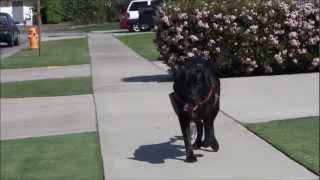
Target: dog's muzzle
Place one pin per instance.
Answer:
(187, 107)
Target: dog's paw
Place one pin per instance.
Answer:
(205, 144)
(215, 146)
(191, 159)
(197, 145)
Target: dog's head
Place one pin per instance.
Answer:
(194, 81)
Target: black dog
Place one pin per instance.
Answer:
(196, 99)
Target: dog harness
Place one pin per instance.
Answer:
(187, 107)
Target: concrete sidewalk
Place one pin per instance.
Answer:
(266, 98)
(140, 135)
(51, 72)
(45, 116)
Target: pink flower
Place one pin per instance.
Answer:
(183, 16)
(314, 40)
(179, 37)
(185, 23)
(284, 52)
(294, 43)
(254, 28)
(194, 38)
(203, 25)
(316, 61)
(211, 43)
(232, 17)
(218, 16)
(195, 50)
(271, 12)
(278, 58)
(177, 9)
(190, 54)
(165, 19)
(293, 35)
(179, 29)
(215, 26)
(274, 40)
(206, 53)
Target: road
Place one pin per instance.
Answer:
(6, 51)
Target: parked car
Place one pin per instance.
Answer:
(146, 19)
(124, 18)
(134, 9)
(9, 32)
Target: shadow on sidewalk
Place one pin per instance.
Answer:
(153, 78)
(158, 153)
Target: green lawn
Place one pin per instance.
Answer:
(298, 138)
(47, 87)
(65, 157)
(143, 44)
(53, 53)
(98, 27)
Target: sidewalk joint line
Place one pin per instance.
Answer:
(96, 113)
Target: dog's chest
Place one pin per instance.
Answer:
(194, 115)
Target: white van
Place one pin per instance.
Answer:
(133, 12)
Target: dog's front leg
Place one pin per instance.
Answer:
(210, 139)
(185, 128)
(197, 144)
(208, 126)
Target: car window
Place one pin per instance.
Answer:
(4, 19)
(138, 5)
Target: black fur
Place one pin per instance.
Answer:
(192, 84)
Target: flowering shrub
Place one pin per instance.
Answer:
(266, 36)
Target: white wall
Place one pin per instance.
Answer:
(27, 13)
(6, 10)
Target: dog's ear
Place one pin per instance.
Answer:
(179, 72)
(208, 78)
(213, 66)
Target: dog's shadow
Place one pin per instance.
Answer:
(152, 78)
(158, 153)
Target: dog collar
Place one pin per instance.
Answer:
(187, 106)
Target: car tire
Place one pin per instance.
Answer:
(17, 40)
(135, 28)
(11, 41)
(130, 29)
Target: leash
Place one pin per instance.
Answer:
(205, 100)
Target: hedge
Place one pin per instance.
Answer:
(243, 37)
(79, 11)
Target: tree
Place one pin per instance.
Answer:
(53, 11)
(80, 11)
